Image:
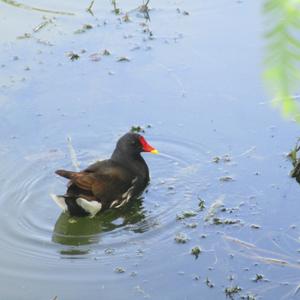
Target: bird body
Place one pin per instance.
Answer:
(110, 183)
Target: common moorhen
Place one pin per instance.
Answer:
(108, 183)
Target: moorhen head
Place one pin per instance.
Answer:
(109, 183)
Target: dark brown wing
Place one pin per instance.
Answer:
(104, 181)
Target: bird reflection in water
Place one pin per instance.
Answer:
(78, 232)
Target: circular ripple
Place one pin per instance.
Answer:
(36, 230)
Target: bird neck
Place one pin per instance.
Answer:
(134, 162)
(124, 157)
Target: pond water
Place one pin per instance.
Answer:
(191, 76)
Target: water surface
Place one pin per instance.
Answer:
(194, 74)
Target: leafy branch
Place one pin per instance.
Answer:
(283, 53)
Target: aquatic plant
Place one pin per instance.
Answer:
(196, 251)
(231, 291)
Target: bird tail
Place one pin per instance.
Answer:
(66, 174)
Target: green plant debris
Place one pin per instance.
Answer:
(186, 214)
(231, 291)
(293, 153)
(24, 36)
(273, 261)
(28, 7)
(248, 297)
(230, 277)
(293, 156)
(191, 225)
(106, 52)
(214, 208)
(181, 238)
(119, 270)
(258, 277)
(295, 173)
(109, 251)
(226, 178)
(216, 159)
(73, 56)
(89, 8)
(225, 158)
(239, 242)
(201, 204)
(218, 221)
(87, 26)
(255, 226)
(84, 28)
(42, 25)
(43, 42)
(137, 129)
(144, 9)
(183, 12)
(196, 251)
(126, 18)
(123, 59)
(116, 10)
(209, 283)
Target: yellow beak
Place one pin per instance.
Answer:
(154, 151)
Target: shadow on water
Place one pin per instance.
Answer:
(74, 231)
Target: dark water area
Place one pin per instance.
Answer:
(193, 73)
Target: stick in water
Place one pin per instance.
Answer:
(73, 155)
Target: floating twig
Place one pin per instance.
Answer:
(73, 155)
(89, 9)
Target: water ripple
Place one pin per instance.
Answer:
(35, 230)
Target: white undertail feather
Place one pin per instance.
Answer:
(91, 207)
(60, 201)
